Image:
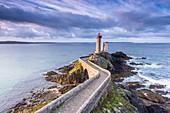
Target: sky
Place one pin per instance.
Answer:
(81, 20)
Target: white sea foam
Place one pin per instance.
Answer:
(152, 66)
(153, 81)
(167, 95)
(134, 78)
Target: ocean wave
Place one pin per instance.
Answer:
(152, 65)
(165, 82)
(147, 65)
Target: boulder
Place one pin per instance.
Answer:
(141, 58)
(72, 74)
(158, 86)
(156, 109)
(102, 62)
(151, 96)
(161, 92)
(134, 85)
(51, 73)
(134, 63)
(120, 54)
(66, 88)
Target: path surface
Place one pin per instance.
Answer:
(73, 104)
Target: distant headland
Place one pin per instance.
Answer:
(21, 42)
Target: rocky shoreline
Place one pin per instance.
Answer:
(66, 78)
(120, 97)
(128, 97)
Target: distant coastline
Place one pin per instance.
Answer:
(20, 42)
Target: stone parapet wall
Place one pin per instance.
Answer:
(94, 99)
(91, 72)
(94, 75)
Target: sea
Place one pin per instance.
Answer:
(22, 65)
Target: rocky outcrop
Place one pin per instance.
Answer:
(134, 85)
(151, 96)
(134, 63)
(156, 109)
(37, 100)
(156, 86)
(136, 101)
(119, 100)
(51, 73)
(72, 74)
(114, 63)
(122, 55)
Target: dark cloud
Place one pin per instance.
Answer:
(142, 21)
(59, 20)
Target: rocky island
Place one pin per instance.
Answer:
(118, 98)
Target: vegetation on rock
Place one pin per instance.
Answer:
(115, 101)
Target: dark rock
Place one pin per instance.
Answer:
(51, 87)
(134, 63)
(161, 92)
(103, 60)
(73, 74)
(118, 79)
(156, 109)
(158, 86)
(65, 69)
(151, 96)
(134, 85)
(138, 103)
(134, 73)
(121, 55)
(51, 73)
(167, 99)
(114, 63)
(141, 58)
(66, 88)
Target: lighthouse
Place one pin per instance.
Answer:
(98, 43)
(104, 46)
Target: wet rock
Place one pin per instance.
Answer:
(66, 88)
(158, 86)
(151, 96)
(141, 58)
(51, 73)
(66, 69)
(134, 63)
(134, 85)
(134, 72)
(135, 101)
(121, 55)
(72, 74)
(114, 63)
(161, 92)
(102, 62)
(118, 79)
(52, 87)
(156, 109)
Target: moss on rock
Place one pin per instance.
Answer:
(114, 102)
(30, 109)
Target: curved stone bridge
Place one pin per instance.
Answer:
(84, 97)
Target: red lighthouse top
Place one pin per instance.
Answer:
(99, 35)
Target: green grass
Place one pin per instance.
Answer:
(77, 66)
(57, 107)
(115, 100)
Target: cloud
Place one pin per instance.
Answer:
(61, 20)
(83, 19)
